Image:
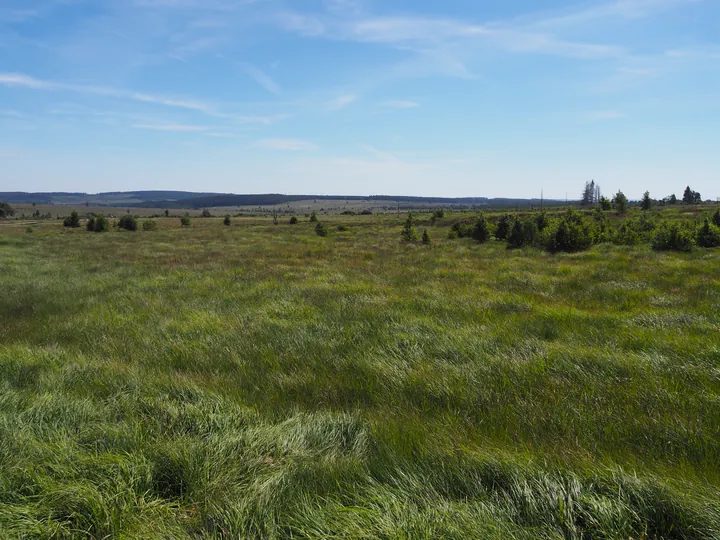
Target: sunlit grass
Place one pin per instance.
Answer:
(261, 381)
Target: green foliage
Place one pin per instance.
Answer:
(504, 226)
(185, 221)
(605, 204)
(627, 234)
(366, 212)
(227, 221)
(708, 235)
(620, 202)
(6, 210)
(128, 223)
(101, 224)
(313, 217)
(523, 233)
(461, 229)
(426, 238)
(167, 213)
(73, 221)
(646, 203)
(481, 232)
(293, 220)
(573, 232)
(90, 225)
(321, 229)
(343, 228)
(438, 214)
(691, 197)
(149, 225)
(716, 218)
(29, 230)
(206, 213)
(673, 236)
(542, 221)
(409, 234)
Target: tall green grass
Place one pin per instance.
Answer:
(260, 381)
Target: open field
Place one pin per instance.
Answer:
(259, 381)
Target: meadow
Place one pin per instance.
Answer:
(261, 381)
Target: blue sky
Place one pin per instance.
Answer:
(452, 98)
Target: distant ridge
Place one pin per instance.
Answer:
(187, 199)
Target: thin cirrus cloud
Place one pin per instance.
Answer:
(182, 128)
(400, 104)
(26, 81)
(262, 78)
(341, 102)
(285, 145)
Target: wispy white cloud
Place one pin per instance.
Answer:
(25, 81)
(288, 145)
(262, 78)
(10, 15)
(341, 102)
(171, 127)
(602, 115)
(400, 104)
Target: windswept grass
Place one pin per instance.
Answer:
(261, 381)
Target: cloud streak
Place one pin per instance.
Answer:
(262, 78)
(285, 145)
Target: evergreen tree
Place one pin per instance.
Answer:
(647, 201)
(620, 202)
(409, 234)
(481, 232)
(426, 238)
(689, 196)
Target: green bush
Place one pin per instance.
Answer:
(573, 233)
(673, 237)
(481, 231)
(708, 235)
(461, 229)
(343, 228)
(90, 225)
(438, 214)
(101, 224)
(6, 210)
(542, 221)
(426, 238)
(128, 222)
(293, 220)
(227, 221)
(149, 225)
(452, 234)
(620, 201)
(206, 213)
(523, 233)
(626, 234)
(605, 204)
(504, 226)
(366, 213)
(185, 221)
(716, 218)
(409, 234)
(313, 218)
(73, 221)
(321, 229)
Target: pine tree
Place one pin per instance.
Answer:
(647, 201)
(409, 234)
(426, 238)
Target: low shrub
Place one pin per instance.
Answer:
(72, 222)
(227, 221)
(293, 220)
(321, 229)
(708, 236)
(206, 213)
(504, 226)
(185, 221)
(149, 225)
(313, 218)
(366, 213)
(101, 224)
(673, 237)
(461, 229)
(626, 234)
(716, 218)
(573, 232)
(90, 225)
(128, 223)
(343, 228)
(481, 231)
(426, 238)
(409, 234)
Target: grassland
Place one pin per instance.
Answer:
(258, 381)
